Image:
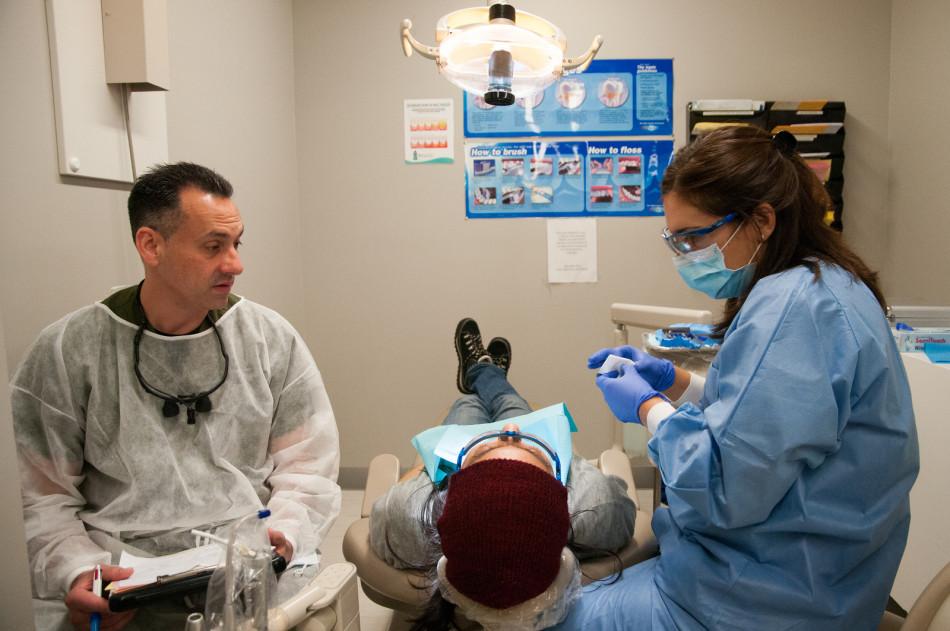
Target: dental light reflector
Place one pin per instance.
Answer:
(496, 60)
(498, 54)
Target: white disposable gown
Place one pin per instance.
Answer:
(788, 484)
(98, 457)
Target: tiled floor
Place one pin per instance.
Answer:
(372, 616)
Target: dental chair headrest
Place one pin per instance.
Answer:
(503, 529)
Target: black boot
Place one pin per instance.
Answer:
(468, 347)
(500, 351)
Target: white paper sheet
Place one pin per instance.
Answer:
(308, 559)
(572, 250)
(148, 569)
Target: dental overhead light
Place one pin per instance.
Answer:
(495, 53)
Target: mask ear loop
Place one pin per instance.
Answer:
(762, 241)
(754, 252)
(733, 235)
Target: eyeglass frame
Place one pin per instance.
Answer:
(510, 434)
(670, 237)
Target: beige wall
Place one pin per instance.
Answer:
(232, 107)
(393, 263)
(15, 594)
(918, 219)
(63, 244)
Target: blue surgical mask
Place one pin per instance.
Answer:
(705, 270)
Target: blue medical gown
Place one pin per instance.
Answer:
(788, 486)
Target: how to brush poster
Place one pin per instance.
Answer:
(565, 178)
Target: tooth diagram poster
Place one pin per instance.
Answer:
(429, 130)
(613, 97)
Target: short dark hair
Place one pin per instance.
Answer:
(155, 198)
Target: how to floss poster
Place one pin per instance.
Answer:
(565, 178)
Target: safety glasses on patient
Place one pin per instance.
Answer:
(686, 241)
(512, 437)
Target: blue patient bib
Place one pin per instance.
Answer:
(439, 447)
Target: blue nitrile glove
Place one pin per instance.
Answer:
(625, 391)
(659, 373)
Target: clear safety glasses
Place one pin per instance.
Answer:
(555, 461)
(684, 241)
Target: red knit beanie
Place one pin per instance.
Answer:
(503, 527)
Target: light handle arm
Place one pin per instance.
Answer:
(579, 64)
(409, 43)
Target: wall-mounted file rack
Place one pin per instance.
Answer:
(818, 126)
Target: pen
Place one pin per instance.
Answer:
(97, 590)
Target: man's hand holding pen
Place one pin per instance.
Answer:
(82, 603)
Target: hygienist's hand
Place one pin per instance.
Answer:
(659, 373)
(81, 602)
(625, 391)
(279, 541)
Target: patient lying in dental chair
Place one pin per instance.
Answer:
(500, 537)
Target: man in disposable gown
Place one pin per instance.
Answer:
(110, 462)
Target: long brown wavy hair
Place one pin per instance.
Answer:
(737, 169)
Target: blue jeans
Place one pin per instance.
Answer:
(494, 399)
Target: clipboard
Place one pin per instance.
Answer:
(172, 585)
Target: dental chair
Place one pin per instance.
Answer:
(329, 602)
(405, 592)
(931, 611)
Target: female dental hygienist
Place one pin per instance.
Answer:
(788, 472)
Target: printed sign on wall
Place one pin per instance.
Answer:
(429, 130)
(567, 178)
(622, 97)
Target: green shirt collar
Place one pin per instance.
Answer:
(125, 304)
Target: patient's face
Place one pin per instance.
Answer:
(509, 448)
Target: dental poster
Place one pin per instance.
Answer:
(572, 250)
(429, 130)
(613, 97)
(566, 178)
